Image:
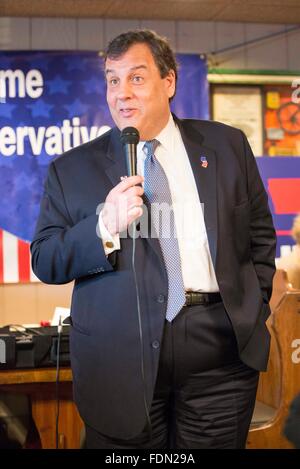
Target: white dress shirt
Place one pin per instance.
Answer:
(196, 263)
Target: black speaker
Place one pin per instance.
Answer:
(7, 351)
(33, 350)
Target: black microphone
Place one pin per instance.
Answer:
(130, 138)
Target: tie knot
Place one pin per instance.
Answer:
(150, 146)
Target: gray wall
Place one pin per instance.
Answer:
(279, 53)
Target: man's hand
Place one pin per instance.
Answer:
(123, 205)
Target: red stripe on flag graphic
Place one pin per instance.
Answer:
(24, 261)
(283, 232)
(15, 259)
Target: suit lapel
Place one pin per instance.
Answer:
(206, 179)
(115, 153)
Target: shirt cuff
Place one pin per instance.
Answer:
(110, 243)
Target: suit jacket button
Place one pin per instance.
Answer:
(155, 344)
(160, 299)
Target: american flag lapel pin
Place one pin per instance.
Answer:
(204, 162)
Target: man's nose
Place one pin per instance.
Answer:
(125, 90)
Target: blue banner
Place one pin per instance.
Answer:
(53, 101)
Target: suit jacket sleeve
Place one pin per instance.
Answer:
(262, 233)
(63, 250)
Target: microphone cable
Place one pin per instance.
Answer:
(59, 331)
(140, 328)
(130, 138)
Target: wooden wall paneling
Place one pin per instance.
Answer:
(114, 27)
(230, 34)
(195, 36)
(267, 54)
(30, 303)
(14, 33)
(293, 53)
(187, 37)
(53, 33)
(90, 34)
(165, 28)
(19, 303)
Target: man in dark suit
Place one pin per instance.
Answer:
(175, 365)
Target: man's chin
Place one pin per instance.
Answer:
(128, 123)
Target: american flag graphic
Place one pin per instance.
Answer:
(64, 106)
(72, 94)
(15, 260)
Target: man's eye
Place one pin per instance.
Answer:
(137, 79)
(113, 81)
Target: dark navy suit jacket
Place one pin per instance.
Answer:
(105, 340)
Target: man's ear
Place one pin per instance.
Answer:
(170, 81)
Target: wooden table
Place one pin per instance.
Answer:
(40, 385)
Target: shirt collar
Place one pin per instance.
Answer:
(165, 136)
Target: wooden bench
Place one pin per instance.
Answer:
(281, 383)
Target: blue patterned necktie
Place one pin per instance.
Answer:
(157, 192)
